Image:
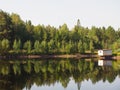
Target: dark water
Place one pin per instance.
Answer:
(60, 74)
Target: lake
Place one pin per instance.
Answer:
(60, 74)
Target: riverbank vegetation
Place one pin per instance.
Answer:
(22, 37)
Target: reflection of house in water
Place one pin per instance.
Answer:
(104, 63)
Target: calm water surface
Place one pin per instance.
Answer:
(60, 74)
(85, 85)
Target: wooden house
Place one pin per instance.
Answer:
(105, 52)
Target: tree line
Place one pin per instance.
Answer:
(18, 36)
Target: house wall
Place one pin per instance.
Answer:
(104, 52)
(100, 52)
(107, 52)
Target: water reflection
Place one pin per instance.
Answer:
(19, 74)
(104, 62)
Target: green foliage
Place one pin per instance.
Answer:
(28, 46)
(48, 39)
(91, 46)
(28, 67)
(37, 46)
(81, 47)
(36, 67)
(5, 45)
(5, 70)
(51, 46)
(64, 33)
(44, 47)
(116, 46)
(16, 68)
(68, 47)
(17, 45)
(6, 26)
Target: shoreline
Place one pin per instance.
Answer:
(76, 56)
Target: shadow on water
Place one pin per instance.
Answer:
(19, 74)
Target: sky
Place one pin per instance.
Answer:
(97, 13)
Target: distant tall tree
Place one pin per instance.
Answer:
(118, 33)
(6, 27)
(37, 46)
(17, 45)
(29, 26)
(78, 23)
(68, 47)
(38, 32)
(29, 29)
(81, 46)
(116, 45)
(20, 31)
(28, 46)
(51, 45)
(64, 33)
(5, 45)
(111, 36)
(44, 47)
(91, 46)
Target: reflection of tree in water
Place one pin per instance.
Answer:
(17, 75)
(79, 85)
